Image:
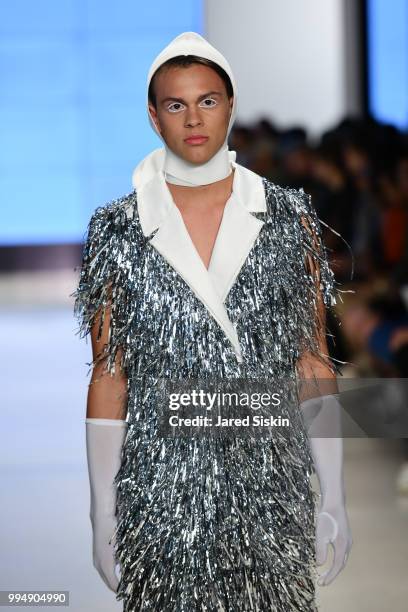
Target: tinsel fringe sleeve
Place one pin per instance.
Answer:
(101, 284)
(319, 290)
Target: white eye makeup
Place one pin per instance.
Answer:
(210, 100)
(172, 107)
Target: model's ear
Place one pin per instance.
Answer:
(153, 114)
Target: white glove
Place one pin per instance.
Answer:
(104, 440)
(332, 524)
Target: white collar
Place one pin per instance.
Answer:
(236, 237)
(154, 198)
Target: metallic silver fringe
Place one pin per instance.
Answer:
(210, 524)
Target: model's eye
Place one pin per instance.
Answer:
(204, 102)
(175, 107)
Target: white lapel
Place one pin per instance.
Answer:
(238, 230)
(236, 236)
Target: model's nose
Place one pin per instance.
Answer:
(193, 118)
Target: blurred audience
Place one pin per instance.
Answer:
(357, 176)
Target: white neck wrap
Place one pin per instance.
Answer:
(180, 172)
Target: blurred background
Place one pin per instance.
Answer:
(323, 105)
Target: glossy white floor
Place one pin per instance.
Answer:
(44, 525)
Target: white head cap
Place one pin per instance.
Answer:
(176, 169)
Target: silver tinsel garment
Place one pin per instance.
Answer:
(210, 524)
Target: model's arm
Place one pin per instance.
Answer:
(321, 407)
(106, 429)
(107, 392)
(99, 302)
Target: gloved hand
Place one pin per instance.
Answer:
(104, 440)
(323, 416)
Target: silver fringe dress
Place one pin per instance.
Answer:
(215, 525)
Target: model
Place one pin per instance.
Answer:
(204, 270)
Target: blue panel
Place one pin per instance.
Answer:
(72, 102)
(40, 18)
(141, 17)
(388, 61)
(40, 69)
(42, 207)
(40, 139)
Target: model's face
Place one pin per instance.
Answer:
(190, 102)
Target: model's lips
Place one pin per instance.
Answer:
(195, 140)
